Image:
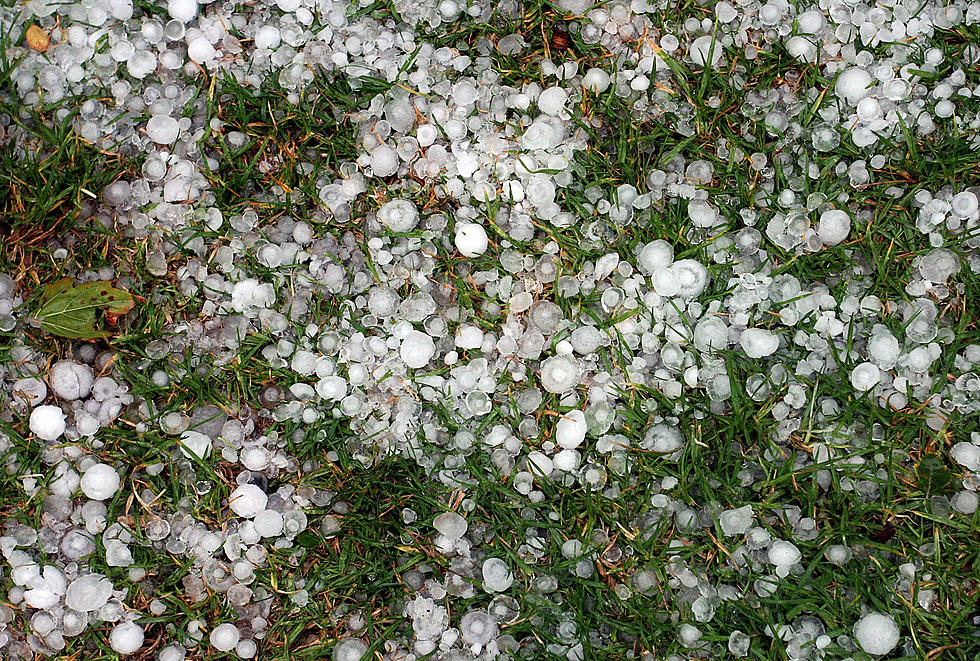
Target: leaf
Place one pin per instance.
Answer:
(37, 38)
(68, 309)
(933, 477)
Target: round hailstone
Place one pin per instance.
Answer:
(31, 390)
(471, 239)
(966, 455)
(417, 349)
(268, 523)
(737, 521)
(47, 422)
(497, 576)
(384, 161)
(834, 226)
(88, 593)
(570, 430)
(691, 277)
(865, 376)
(884, 349)
(162, 129)
(450, 524)
(70, 380)
(224, 637)
(552, 100)
(965, 204)
(349, 649)
(126, 638)
(477, 628)
(247, 500)
(758, 342)
(182, 10)
(662, 438)
(100, 482)
(559, 374)
(701, 47)
(784, 554)
(194, 444)
(399, 215)
(852, 85)
(596, 81)
(201, 51)
(876, 633)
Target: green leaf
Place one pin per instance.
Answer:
(68, 310)
(933, 477)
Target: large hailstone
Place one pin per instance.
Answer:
(471, 239)
(126, 638)
(559, 374)
(570, 430)
(100, 482)
(417, 349)
(876, 633)
(834, 226)
(399, 215)
(758, 342)
(47, 422)
(247, 500)
(70, 380)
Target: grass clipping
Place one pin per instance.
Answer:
(68, 310)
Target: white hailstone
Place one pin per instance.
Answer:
(349, 649)
(471, 239)
(247, 500)
(450, 524)
(194, 444)
(567, 460)
(784, 554)
(268, 523)
(162, 129)
(596, 81)
(267, 36)
(417, 349)
(884, 349)
(570, 430)
(477, 627)
(332, 388)
(384, 161)
(876, 633)
(852, 85)
(399, 215)
(47, 422)
(758, 342)
(70, 380)
(655, 256)
(711, 334)
(559, 374)
(664, 439)
(700, 49)
(691, 277)
(182, 10)
(126, 638)
(965, 502)
(802, 48)
(88, 593)
(224, 637)
(552, 100)
(865, 376)
(966, 455)
(964, 204)
(100, 482)
(737, 521)
(173, 652)
(497, 576)
(31, 390)
(834, 226)
(201, 50)
(811, 21)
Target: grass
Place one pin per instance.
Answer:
(881, 493)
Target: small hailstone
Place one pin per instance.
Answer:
(100, 482)
(497, 576)
(834, 226)
(224, 637)
(561, 373)
(47, 422)
(570, 430)
(450, 524)
(194, 444)
(399, 215)
(758, 342)
(417, 349)
(126, 638)
(876, 633)
(70, 380)
(471, 239)
(247, 500)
